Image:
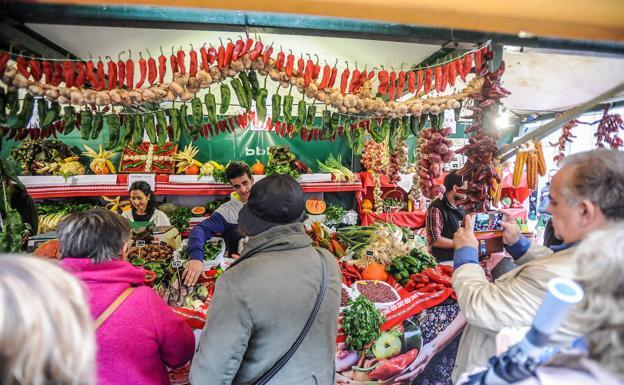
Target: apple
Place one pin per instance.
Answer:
(387, 345)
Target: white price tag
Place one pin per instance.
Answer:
(369, 253)
(140, 243)
(449, 120)
(176, 263)
(150, 179)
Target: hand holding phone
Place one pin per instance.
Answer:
(488, 222)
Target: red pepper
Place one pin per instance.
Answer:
(401, 84)
(431, 288)
(68, 73)
(452, 73)
(121, 72)
(229, 51)
(290, 62)
(383, 77)
(81, 74)
(212, 55)
(445, 75)
(467, 64)
(112, 73)
(152, 72)
(162, 68)
(221, 57)
(300, 66)
(91, 77)
(438, 277)
(419, 85)
(332, 78)
(371, 75)
(410, 286)
(438, 78)
(257, 51)
(57, 74)
(387, 369)
(484, 57)
(130, 72)
(355, 77)
(193, 64)
(4, 59)
(180, 58)
(445, 269)
(35, 69)
(22, 66)
(343, 81)
(392, 85)
(478, 62)
(173, 61)
(428, 76)
(325, 79)
(459, 68)
(307, 77)
(238, 48)
(279, 62)
(247, 47)
(411, 82)
(316, 70)
(204, 58)
(267, 54)
(142, 70)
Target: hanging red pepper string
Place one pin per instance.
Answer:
(428, 76)
(229, 51)
(57, 74)
(180, 60)
(401, 84)
(162, 66)
(445, 72)
(459, 68)
(111, 73)
(142, 70)
(221, 56)
(411, 82)
(121, 70)
(316, 69)
(193, 63)
(22, 66)
(173, 62)
(362, 78)
(325, 78)
(257, 50)
(334, 74)
(267, 54)
(203, 53)
(452, 73)
(91, 76)
(35, 69)
(355, 77)
(300, 66)
(307, 76)
(467, 64)
(130, 71)
(247, 47)
(279, 62)
(4, 59)
(383, 77)
(290, 62)
(344, 78)
(438, 78)
(212, 55)
(419, 76)
(392, 88)
(238, 48)
(477, 60)
(152, 72)
(81, 74)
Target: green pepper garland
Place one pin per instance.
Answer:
(86, 120)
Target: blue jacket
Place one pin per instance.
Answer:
(223, 222)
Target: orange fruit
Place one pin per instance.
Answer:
(375, 271)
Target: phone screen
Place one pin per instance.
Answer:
(488, 222)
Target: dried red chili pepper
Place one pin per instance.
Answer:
(392, 85)
(4, 59)
(445, 75)
(35, 69)
(112, 73)
(459, 68)
(229, 51)
(290, 62)
(91, 76)
(162, 67)
(257, 50)
(401, 84)
(238, 48)
(467, 64)
(428, 75)
(383, 77)
(307, 77)
(22, 66)
(279, 62)
(344, 78)
(152, 72)
(193, 63)
(267, 54)
(57, 74)
(247, 47)
(411, 82)
(142, 70)
(68, 73)
(81, 74)
(212, 55)
(477, 60)
(221, 57)
(452, 73)
(121, 71)
(180, 60)
(300, 66)
(355, 78)
(203, 53)
(130, 71)
(173, 62)
(438, 78)
(325, 78)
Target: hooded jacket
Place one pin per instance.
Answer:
(142, 336)
(259, 308)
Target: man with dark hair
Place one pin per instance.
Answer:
(224, 222)
(443, 218)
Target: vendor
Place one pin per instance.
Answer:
(144, 206)
(444, 216)
(223, 222)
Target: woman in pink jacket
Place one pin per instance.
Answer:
(142, 335)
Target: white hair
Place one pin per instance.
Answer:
(600, 260)
(46, 330)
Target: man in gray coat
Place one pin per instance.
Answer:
(262, 302)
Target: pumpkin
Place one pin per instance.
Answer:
(315, 206)
(257, 168)
(198, 211)
(367, 206)
(375, 271)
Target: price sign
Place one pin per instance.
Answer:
(369, 253)
(140, 243)
(176, 263)
(150, 179)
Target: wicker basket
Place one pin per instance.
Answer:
(398, 196)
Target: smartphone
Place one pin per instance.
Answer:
(488, 222)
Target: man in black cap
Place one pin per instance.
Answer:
(265, 300)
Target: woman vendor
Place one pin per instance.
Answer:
(143, 206)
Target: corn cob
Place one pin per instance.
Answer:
(521, 158)
(541, 162)
(496, 185)
(532, 170)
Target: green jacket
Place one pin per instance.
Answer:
(259, 308)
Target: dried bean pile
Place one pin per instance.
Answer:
(344, 298)
(377, 292)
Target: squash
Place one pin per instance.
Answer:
(257, 168)
(198, 211)
(315, 206)
(366, 206)
(375, 272)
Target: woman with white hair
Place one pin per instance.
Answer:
(46, 331)
(137, 334)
